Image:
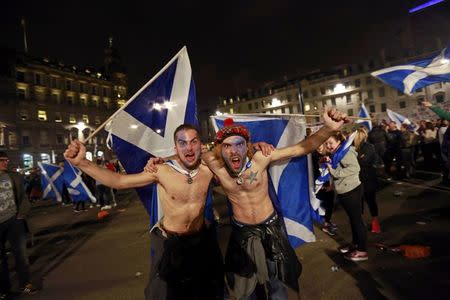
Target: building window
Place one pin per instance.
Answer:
(39, 79)
(55, 98)
(438, 85)
(94, 90)
(372, 108)
(12, 139)
(231, 110)
(25, 138)
(288, 98)
(369, 94)
(348, 99)
(368, 80)
(106, 103)
(24, 115)
(70, 100)
(68, 85)
(97, 120)
(419, 90)
(322, 90)
(21, 93)
(314, 92)
(85, 119)
(58, 118)
(106, 93)
(256, 105)
(383, 107)
(333, 101)
(305, 94)
(43, 138)
(42, 115)
(357, 83)
(350, 112)
(72, 119)
(83, 101)
(82, 87)
(20, 76)
(249, 106)
(402, 104)
(54, 82)
(381, 92)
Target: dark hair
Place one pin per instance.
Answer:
(184, 127)
(3, 154)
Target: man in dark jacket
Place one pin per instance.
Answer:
(14, 207)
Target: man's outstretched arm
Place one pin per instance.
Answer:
(333, 121)
(76, 155)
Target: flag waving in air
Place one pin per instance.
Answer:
(400, 119)
(52, 181)
(144, 126)
(417, 74)
(363, 113)
(76, 187)
(289, 181)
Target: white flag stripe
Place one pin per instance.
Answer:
(298, 230)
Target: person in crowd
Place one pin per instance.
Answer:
(429, 138)
(437, 110)
(347, 186)
(407, 142)
(367, 158)
(14, 208)
(326, 193)
(260, 263)
(104, 192)
(392, 157)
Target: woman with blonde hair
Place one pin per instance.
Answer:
(367, 158)
(346, 183)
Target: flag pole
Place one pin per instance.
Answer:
(135, 95)
(292, 115)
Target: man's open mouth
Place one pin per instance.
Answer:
(236, 163)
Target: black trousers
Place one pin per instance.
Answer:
(13, 231)
(351, 202)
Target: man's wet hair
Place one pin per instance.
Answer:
(185, 127)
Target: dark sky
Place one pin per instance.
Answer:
(232, 45)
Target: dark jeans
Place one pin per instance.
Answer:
(13, 231)
(327, 199)
(104, 195)
(369, 196)
(80, 205)
(351, 202)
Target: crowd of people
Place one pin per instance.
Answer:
(186, 261)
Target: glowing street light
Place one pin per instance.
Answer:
(276, 102)
(339, 88)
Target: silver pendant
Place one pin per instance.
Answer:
(239, 180)
(189, 180)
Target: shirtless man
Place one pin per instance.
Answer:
(259, 259)
(186, 262)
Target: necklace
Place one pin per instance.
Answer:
(239, 179)
(190, 174)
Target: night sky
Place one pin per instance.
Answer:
(232, 45)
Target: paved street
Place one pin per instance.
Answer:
(75, 256)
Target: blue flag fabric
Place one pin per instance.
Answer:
(76, 187)
(363, 113)
(417, 74)
(52, 181)
(144, 127)
(289, 181)
(400, 119)
(335, 160)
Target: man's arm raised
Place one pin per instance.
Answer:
(333, 121)
(76, 153)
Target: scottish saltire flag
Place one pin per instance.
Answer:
(290, 181)
(400, 119)
(76, 187)
(417, 74)
(363, 113)
(144, 126)
(335, 160)
(52, 181)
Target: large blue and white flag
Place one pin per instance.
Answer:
(291, 181)
(335, 160)
(52, 181)
(417, 74)
(400, 119)
(144, 126)
(363, 113)
(76, 187)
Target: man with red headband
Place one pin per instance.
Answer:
(259, 263)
